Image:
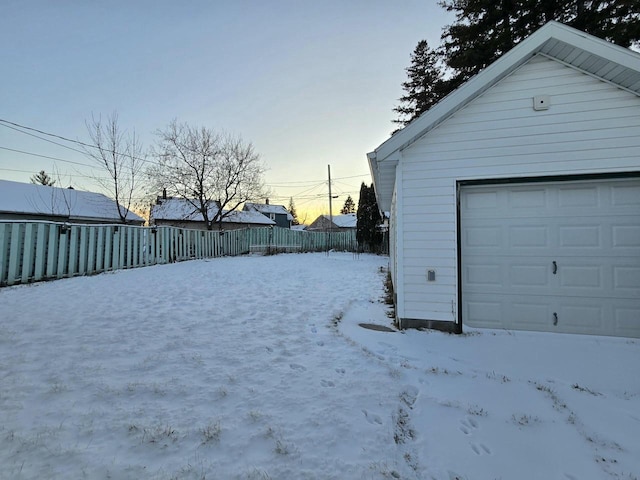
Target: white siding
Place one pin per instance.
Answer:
(590, 127)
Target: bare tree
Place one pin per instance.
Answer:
(121, 155)
(215, 173)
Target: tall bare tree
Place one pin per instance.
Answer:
(121, 155)
(215, 173)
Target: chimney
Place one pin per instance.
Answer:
(164, 193)
(266, 201)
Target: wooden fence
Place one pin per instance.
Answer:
(35, 251)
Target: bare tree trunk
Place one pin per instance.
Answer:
(121, 156)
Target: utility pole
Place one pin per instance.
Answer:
(330, 210)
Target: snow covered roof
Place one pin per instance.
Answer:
(179, 209)
(266, 208)
(182, 209)
(240, 216)
(43, 200)
(345, 221)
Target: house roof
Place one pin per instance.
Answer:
(266, 208)
(181, 209)
(607, 61)
(31, 199)
(341, 221)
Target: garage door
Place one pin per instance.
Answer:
(561, 257)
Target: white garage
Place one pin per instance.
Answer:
(562, 256)
(515, 201)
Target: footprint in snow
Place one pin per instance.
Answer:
(340, 371)
(409, 395)
(298, 367)
(327, 383)
(468, 425)
(372, 418)
(480, 448)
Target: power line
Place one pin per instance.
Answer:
(47, 156)
(17, 127)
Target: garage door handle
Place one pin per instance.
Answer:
(555, 267)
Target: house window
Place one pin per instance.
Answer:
(272, 216)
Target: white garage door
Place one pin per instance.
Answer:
(561, 257)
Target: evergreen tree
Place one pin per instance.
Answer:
(368, 217)
(424, 87)
(292, 211)
(486, 29)
(42, 178)
(349, 206)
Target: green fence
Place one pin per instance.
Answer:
(35, 251)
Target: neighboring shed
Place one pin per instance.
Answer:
(27, 201)
(179, 212)
(277, 213)
(515, 201)
(324, 223)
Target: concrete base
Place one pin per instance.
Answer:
(450, 327)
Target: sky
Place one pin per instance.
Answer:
(308, 83)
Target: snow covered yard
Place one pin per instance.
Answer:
(255, 368)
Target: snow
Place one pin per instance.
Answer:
(28, 198)
(255, 367)
(348, 220)
(182, 209)
(266, 209)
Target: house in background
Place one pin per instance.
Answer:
(179, 212)
(27, 201)
(515, 201)
(324, 223)
(278, 213)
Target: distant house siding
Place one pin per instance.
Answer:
(591, 127)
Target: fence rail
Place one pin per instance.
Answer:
(35, 251)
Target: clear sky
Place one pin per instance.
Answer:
(309, 83)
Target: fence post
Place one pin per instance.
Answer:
(15, 248)
(28, 252)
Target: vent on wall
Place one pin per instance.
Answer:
(541, 102)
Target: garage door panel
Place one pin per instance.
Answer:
(580, 236)
(580, 277)
(528, 275)
(626, 236)
(627, 278)
(528, 199)
(577, 317)
(484, 275)
(627, 319)
(484, 313)
(532, 314)
(625, 196)
(483, 237)
(580, 197)
(561, 256)
(529, 236)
